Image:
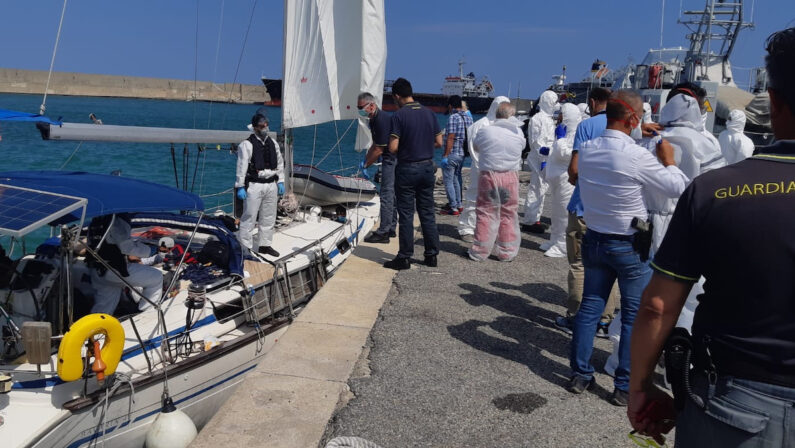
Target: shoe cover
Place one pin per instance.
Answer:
(556, 251)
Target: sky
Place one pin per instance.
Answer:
(518, 44)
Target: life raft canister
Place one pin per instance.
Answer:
(70, 361)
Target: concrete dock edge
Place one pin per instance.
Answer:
(288, 399)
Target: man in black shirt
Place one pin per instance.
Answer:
(744, 328)
(415, 132)
(380, 123)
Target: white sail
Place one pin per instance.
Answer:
(333, 50)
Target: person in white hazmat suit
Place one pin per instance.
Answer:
(259, 181)
(584, 115)
(735, 145)
(646, 113)
(499, 148)
(557, 178)
(695, 154)
(118, 244)
(466, 222)
(541, 136)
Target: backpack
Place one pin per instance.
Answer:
(214, 252)
(466, 135)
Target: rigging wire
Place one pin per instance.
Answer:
(242, 50)
(195, 65)
(43, 107)
(215, 66)
(70, 157)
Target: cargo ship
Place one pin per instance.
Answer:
(477, 94)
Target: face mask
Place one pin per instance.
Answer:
(363, 113)
(636, 133)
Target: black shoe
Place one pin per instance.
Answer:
(601, 330)
(392, 234)
(376, 237)
(538, 227)
(565, 324)
(578, 384)
(431, 261)
(267, 250)
(398, 264)
(619, 398)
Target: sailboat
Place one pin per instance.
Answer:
(71, 379)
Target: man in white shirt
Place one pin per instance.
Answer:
(499, 151)
(614, 172)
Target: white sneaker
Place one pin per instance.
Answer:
(555, 252)
(546, 245)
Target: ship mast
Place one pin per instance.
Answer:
(720, 21)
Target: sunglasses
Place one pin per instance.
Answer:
(643, 441)
(363, 106)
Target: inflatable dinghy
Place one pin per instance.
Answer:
(312, 186)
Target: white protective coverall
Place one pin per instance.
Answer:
(584, 115)
(261, 199)
(499, 147)
(108, 287)
(466, 222)
(695, 154)
(557, 178)
(540, 134)
(646, 113)
(735, 145)
(707, 133)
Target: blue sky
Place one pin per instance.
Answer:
(520, 43)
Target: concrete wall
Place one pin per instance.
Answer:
(63, 83)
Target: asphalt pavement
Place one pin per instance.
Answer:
(467, 355)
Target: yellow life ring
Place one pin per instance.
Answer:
(70, 361)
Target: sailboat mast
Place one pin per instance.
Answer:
(288, 133)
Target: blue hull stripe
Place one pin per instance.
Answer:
(336, 252)
(98, 434)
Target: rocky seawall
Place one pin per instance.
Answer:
(82, 84)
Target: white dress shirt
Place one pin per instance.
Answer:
(614, 173)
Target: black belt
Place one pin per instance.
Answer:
(733, 366)
(415, 162)
(599, 236)
(267, 180)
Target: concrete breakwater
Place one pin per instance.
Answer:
(83, 84)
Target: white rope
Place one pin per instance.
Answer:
(42, 108)
(350, 442)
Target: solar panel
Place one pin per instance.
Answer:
(23, 210)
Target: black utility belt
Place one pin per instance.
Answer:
(414, 162)
(267, 180)
(736, 368)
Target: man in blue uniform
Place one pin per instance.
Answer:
(380, 122)
(742, 388)
(415, 133)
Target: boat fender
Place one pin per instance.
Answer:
(70, 361)
(172, 428)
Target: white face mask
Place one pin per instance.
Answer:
(636, 133)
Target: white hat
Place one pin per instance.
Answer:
(166, 241)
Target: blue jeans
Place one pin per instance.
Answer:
(389, 216)
(414, 184)
(452, 180)
(739, 413)
(607, 258)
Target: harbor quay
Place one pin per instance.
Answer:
(462, 355)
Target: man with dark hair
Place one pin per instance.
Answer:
(586, 131)
(741, 389)
(380, 121)
(614, 172)
(415, 133)
(453, 157)
(259, 182)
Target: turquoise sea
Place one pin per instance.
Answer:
(22, 147)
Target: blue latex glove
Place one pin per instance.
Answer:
(560, 131)
(241, 193)
(543, 164)
(363, 170)
(445, 162)
(544, 151)
(280, 187)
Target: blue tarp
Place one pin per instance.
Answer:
(12, 115)
(106, 194)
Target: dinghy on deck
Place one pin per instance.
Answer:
(316, 187)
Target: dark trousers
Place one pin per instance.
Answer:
(414, 183)
(389, 216)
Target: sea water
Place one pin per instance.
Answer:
(209, 171)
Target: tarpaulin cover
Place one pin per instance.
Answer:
(12, 115)
(105, 194)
